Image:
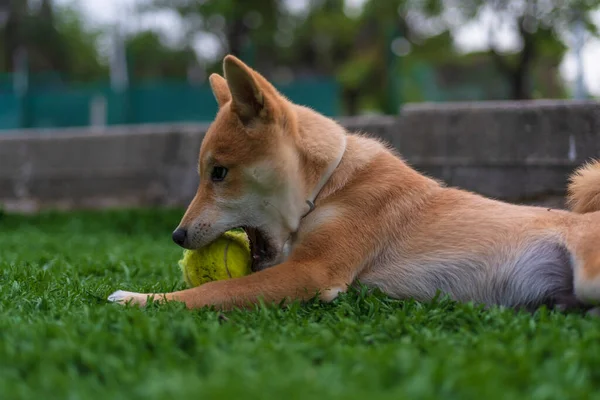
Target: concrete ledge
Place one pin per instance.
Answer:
(517, 151)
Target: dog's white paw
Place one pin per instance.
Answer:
(122, 296)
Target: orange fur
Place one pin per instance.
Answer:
(219, 87)
(377, 220)
(584, 193)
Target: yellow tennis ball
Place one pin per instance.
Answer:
(226, 257)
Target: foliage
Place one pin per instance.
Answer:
(238, 25)
(56, 40)
(85, 63)
(150, 58)
(541, 26)
(366, 48)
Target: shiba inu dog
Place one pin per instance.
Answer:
(325, 208)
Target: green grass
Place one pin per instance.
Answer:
(60, 339)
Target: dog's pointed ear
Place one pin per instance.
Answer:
(220, 89)
(248, 99)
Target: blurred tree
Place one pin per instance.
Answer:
(319, 38)
(35, 31)
(321, 41)
(244, 28)
(370, 74)
(368, 47)
(84, 62)
(151, 58)
(271, 37)
(539, 26)
(55, 39)
(15, 12)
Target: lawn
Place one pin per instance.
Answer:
(60, 339)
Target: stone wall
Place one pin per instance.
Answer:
(516, 151)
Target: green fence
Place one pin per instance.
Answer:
(54, 105)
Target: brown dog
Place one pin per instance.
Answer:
(265, 163)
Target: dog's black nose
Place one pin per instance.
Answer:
(179, 236)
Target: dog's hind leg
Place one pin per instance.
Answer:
(584, 198)
(586, 277)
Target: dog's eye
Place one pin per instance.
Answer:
(218, 174)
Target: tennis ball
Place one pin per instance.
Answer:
(226, 257)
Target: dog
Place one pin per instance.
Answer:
(325, 208)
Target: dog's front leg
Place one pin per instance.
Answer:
(285, 282)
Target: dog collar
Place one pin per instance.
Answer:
(325, 178)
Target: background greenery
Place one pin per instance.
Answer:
(383, 50)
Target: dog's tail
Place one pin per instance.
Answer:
(584, 189)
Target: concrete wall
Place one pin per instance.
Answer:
(520, 152)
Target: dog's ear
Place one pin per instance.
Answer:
(220, 89)
(250, 97)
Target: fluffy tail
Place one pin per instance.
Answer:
(584, 189)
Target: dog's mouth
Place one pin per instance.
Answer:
(262, 248)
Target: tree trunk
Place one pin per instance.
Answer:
(518, 75)
(11, 40)
(520, 83)
(519, 86)
(236, 34)
(13, 30)
(351, 97)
